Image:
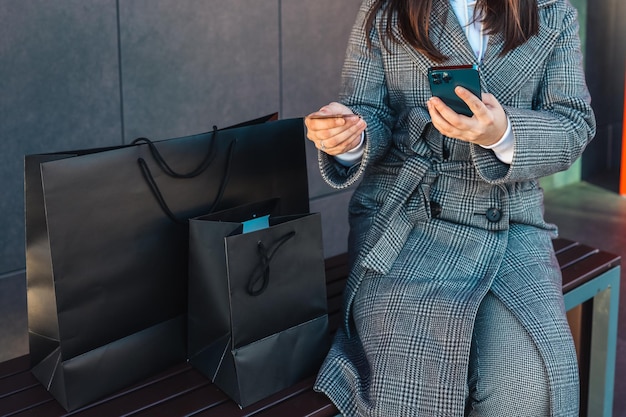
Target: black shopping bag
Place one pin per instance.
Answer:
(257, 301)
(107, 270)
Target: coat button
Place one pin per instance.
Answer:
(435, 209)
(493, 214)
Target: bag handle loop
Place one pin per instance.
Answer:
(265, 255)
(154, 187)
(206, 162)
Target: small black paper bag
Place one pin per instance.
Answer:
(257, 301)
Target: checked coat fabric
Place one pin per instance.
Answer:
(436, 223)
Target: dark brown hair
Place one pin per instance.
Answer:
(516, 20)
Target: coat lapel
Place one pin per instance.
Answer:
(504, 76)
(448, 36)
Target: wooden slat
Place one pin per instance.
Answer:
(230, 409)
(588, 268)
(309, 403)
(147, 395)
(14, 366)
(24, 400)
(203, 398)
(581, 263)
(50, 408)
(561, 244)
(16, 383)
(573, 254)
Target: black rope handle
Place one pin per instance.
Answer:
(154, 187)
(206, 162)
(265, 256)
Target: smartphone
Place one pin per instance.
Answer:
(443, 80)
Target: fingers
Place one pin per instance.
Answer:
(485, 127)
(334, 129)
(452, 124)
(335, 108)
(474, 103)
(340, 137)
(322, 119)
(342, 147)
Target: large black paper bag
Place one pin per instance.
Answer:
(107, 269)
(257, 302)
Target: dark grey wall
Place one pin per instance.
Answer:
(78, 74)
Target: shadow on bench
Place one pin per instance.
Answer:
(183, 391)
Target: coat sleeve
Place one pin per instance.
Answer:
(552, 135)
(364, 90)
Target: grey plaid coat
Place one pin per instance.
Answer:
(436, 222)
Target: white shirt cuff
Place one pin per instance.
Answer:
(504, 147)
(353, 156)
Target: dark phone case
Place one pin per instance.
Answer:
(443, 80)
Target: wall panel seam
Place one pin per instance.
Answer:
(119, 70)
(280, 59)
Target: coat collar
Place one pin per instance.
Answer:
(500, 75)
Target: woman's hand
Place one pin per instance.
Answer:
(486, 127)
(334, 135)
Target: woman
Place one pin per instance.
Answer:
(453, 305)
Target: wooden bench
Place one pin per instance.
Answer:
(591, 280)
(588, 274)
